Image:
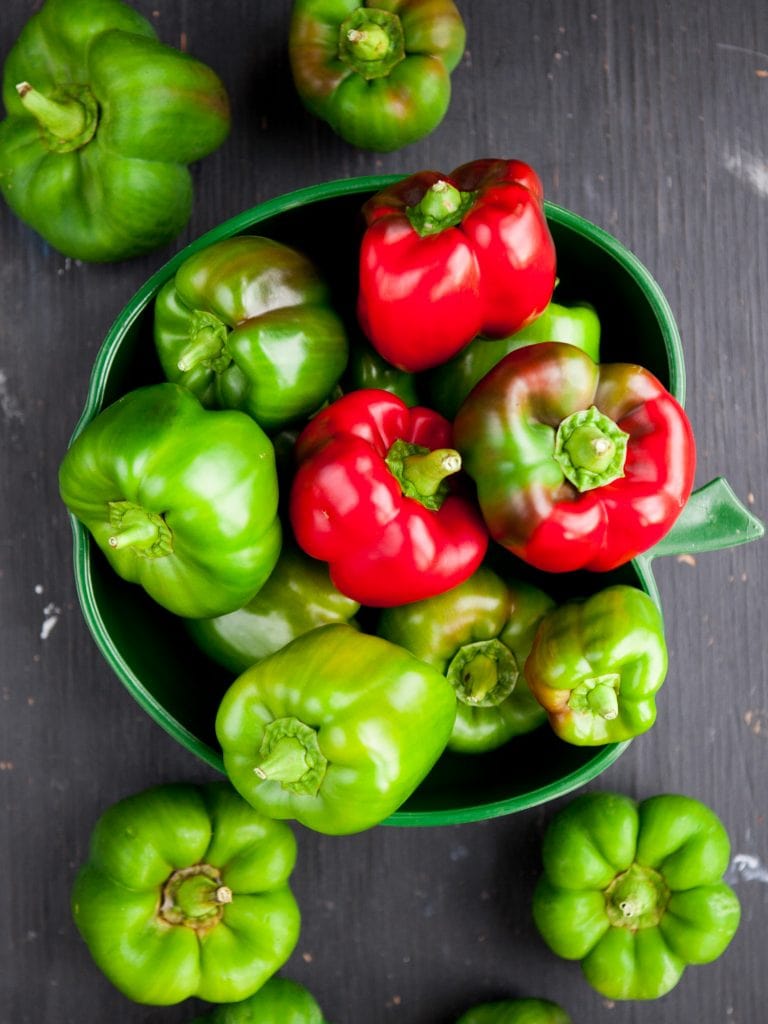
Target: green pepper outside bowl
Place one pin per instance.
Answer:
(150, 651)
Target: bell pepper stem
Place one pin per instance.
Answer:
(427, 472)
(65, 120)
(135, 527)
(286, 762)
(205, 344)
(603, 701)
(141, 533)
(290, 755)
(636, 898)
(590, 449)
(597, 696)
(421, 473)
(68, 123)
(195, 897)
(483, 673)
(442, 206)
(440, 200)
(588, 446)
(371, 42)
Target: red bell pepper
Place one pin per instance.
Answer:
(448, 256)
(372, 497)
(577, 466)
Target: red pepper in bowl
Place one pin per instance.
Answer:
(371, 496)
(577, 465)
(448, 256)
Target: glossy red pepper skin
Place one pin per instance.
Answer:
(490, 271)
(348, 509)
(506, 431)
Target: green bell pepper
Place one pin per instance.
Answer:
(635, 891)
(296, 598)
(478, 634)
(102, 122)
(335, 730)
(280, 1001)
(185, 893)
(450, 383)
(247, 324)
(516, 1011)
(378, 71)
(597, 664)
(367, 369)
(180, 500)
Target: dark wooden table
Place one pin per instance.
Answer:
(649, 119)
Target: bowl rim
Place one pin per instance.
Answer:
(136, 306)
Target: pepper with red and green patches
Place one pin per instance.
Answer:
(379, 73)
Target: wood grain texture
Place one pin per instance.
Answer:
(649, 119)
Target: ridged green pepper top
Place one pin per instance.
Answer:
(635, 890)
(185, 893)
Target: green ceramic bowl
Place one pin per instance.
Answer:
(151, 652)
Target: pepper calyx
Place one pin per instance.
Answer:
(483, 673)
(145, 532)
(597, 696)
(422, 472)
(590, 449)
(371, 42)
(290, 754)
(206, 345)
(195, 897)
(442, 206)
(67, 119)
(636, 898)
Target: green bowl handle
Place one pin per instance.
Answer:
(713, 518)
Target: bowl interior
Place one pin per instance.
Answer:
(149, 649)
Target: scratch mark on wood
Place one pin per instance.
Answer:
(757, 721)
(747, 868)
(52, 613)
(9, 406)
(742, 49)
(749, 168)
